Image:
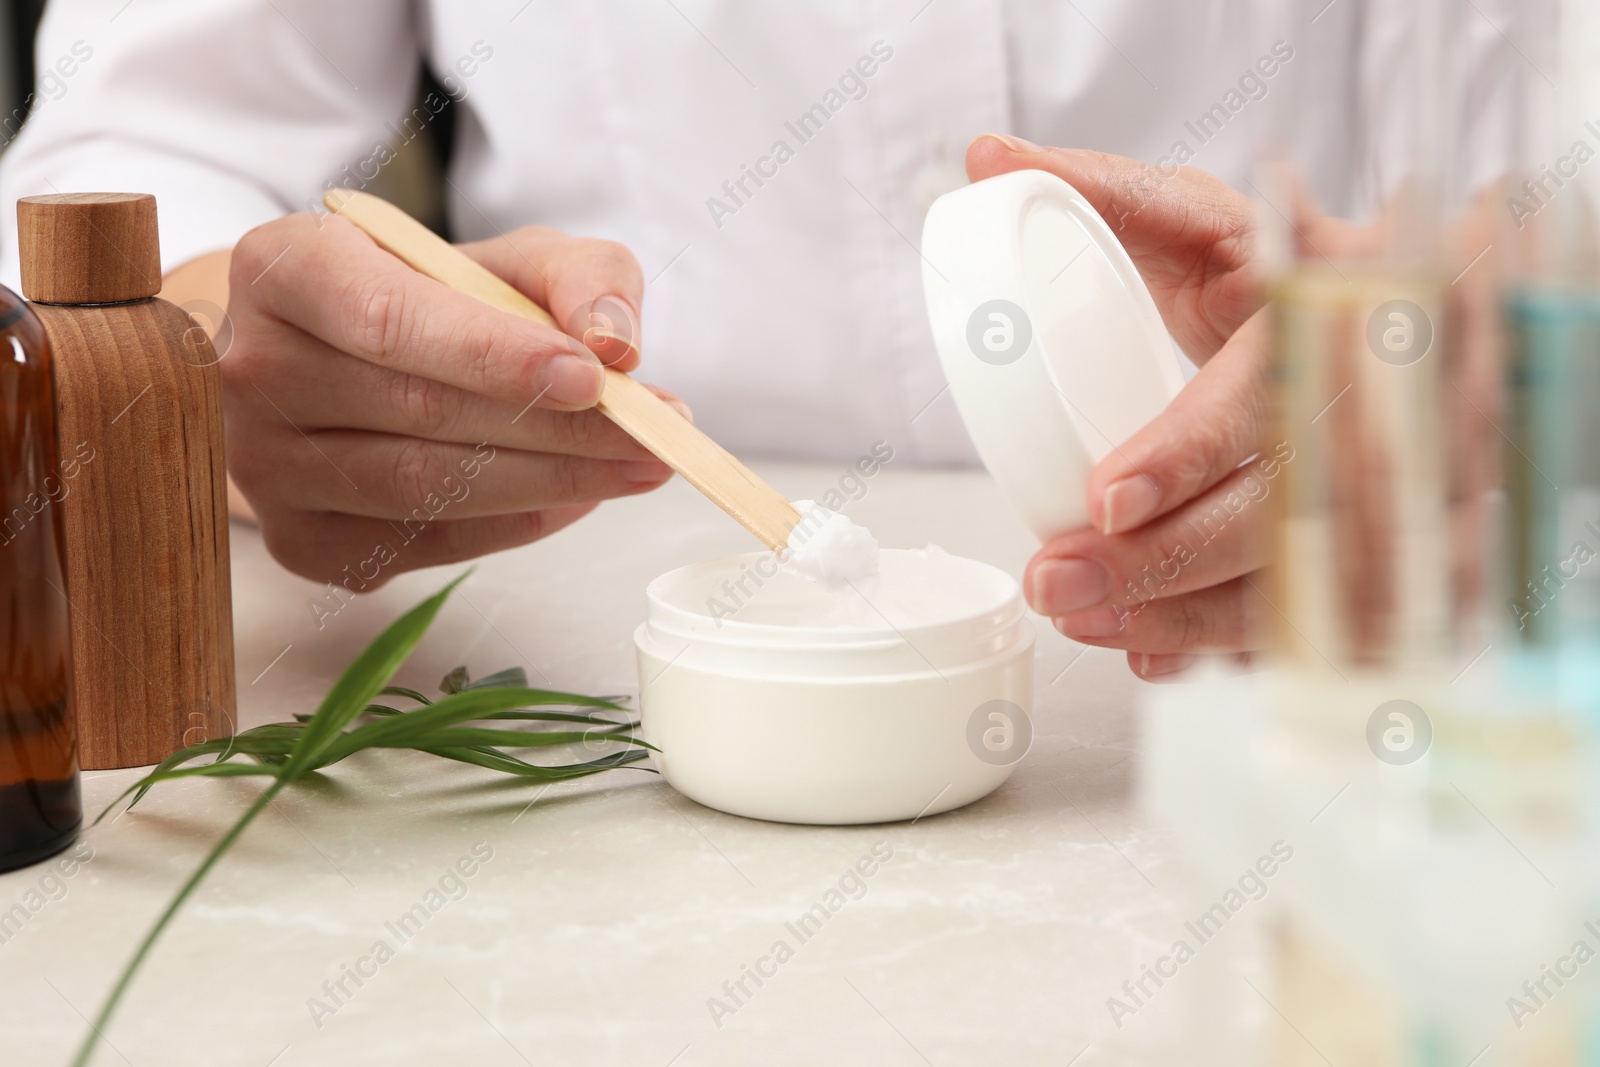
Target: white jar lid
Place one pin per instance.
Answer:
(1051, 342)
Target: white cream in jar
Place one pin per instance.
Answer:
(873, 697)
(830, 550)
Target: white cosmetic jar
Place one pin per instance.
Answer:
(912, 698)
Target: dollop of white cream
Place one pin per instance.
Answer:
(829, 549)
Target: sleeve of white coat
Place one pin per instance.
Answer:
(232, 112)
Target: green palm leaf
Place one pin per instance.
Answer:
(363, 679)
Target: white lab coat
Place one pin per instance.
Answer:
(787, 310)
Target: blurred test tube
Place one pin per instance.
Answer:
(1368, 214)
(1551, 575)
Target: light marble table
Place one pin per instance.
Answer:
(612, 909)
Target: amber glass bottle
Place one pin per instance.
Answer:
(40, 810)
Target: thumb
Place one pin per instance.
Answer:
(1211, 427)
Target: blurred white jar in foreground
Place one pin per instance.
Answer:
(778, 698)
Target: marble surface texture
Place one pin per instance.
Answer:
(610, 911)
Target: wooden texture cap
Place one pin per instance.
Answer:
(89, 248)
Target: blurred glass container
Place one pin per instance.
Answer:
(1373, 266)
(1362, 579)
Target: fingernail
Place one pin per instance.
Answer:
(612, 348)
(572, 380)
(1164, 664)
(610, 325)
(1016, 144)
(682, 409)
(1101, 622)
(1063, 585)
(644, 471)
(1129, 503)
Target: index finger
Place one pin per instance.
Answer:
(593, 288)
(1152, 209)
(334, 282)
(1214, 424)
(1188, 232)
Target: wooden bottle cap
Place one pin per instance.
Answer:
(89, 248)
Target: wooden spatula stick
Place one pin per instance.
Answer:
(647, 418)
